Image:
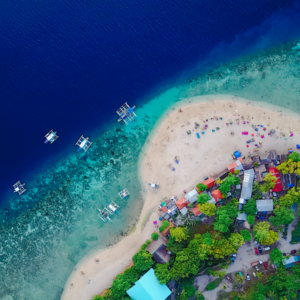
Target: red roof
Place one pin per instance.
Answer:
(217, 195)
(164, 209)
(278, 186)
(209, 182)
(182, 203)
(196, 210)
(231, 167)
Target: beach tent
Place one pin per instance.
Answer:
(149, 288)
(209, 182)
(237, 154)
(217, 195)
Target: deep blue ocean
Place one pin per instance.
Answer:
(68, 65)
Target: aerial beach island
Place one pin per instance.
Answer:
(150, 150)
(194, 143)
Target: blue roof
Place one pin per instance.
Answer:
(149, 288)
(237, 154)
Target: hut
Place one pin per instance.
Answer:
(158, 250)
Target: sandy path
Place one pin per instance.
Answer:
(197, 158)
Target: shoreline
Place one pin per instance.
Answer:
(156, 152)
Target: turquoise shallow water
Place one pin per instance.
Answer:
(41, 246)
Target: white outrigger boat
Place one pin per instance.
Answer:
(83, 143)
(126, 113)
(19, 188)
(154, 185)
(112, 208)
(51, 137)
(103, 215)
(124, 194)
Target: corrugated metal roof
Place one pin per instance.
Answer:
(242, 216)
(247, 184)
(264, 205)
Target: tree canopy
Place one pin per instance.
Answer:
(250, 207)
(289, 166)
(225, 216)
(294, 156)
(154, 236)
(264, 235)
(283, 216)
(230, 180)
(276, 256)
(162, 273)
(203, 198)
(289, 198)
(207, 208)
(246, 235)
(202, 187)
(269, 183)
(251, 219)
(179, 233)
(142, 260)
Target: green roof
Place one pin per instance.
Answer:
(149, 288)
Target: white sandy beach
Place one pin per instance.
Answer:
(197, 158)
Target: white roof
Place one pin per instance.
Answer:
(239, 166)
(192, 196)
(247, 184)
(288, 260)
(264, 205)
(242, 216)
(184, 211)
(213, 201)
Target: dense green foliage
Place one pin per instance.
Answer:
(145, 245)
(294, 157)
(225, 216)
(199, 296)
(165, 224)
(250, 207)
(162, 273)
(283, 216)
(289, 198)
(230, 180)
(256, 192)
(142, 261)
(276, 256)
(154, 236)
(211, 286)
(289, 167)
(207, 208)
(264, 235)
(251, 219)
(179, 233)
(202, 187)
(269, 183)
(246, 235)
(202, 198)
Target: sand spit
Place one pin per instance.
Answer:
(198, 157)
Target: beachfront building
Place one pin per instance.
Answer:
(290, 262)
(217, 196)
(149, 288)
(247, 187)
(158, 250)
(182, 203)
(236, 165)
(168, 208)
(210, 182)
(264, 205)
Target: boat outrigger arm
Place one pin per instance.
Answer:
(19, 188)
(51, 137)
(103, 215)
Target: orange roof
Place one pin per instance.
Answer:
(209, 182)
(196, 210)
(164, 209)
(240, 159)
(182, 203)
(217, 195)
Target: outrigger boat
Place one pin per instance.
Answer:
(83, 143)
(51, 137)
(112, 208)
(126, 113)
(124, 194)
(19, 188)
(103, 215)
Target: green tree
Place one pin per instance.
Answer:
(250, 207)
(255, 165)
(190, 290)
(236, 240)
(270, 181)
(294, 157)
(166, 224)
(256, 192)
(211, 286)
(251, 219)
(289, 167)
(179, 233)
(239, 278)
(161, 228)
(199, 296)
(203, 198)
(145, 245)
(236, 172)
(290, 198)
(207, 208)
(97, 297)
(142, 261)
(183, 295)
(264, 235)
(162, 273)
(154, 236)
(246, 235)
(207, 239)
(276, 256)
(202, 187)
(282, 216)
(230, 180)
